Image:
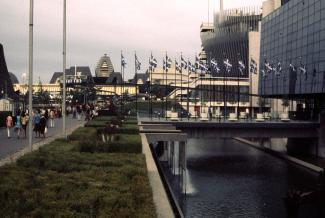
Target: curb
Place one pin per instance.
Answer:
(286, 157)
(161, 201)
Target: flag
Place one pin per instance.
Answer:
(197, 62)
(268, 67)
(191, 68)
(123, 62)
(303, 70)
(168, 62)
(137, 63)
(153, 62)
(183, 63)
(278, 69)
(203, 67)
(292, 67)
(177, 67)
(241, 67)
(214, 65)
(227, 64)
(253, 66)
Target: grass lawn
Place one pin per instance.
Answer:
(61, 180)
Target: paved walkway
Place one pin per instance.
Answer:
(13, 144)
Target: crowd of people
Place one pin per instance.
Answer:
(45, 118)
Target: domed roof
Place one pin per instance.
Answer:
(13, 78)
(104, 67)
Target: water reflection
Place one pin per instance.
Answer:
(226, 178)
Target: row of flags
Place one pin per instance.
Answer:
(269, 68)
(266, 69)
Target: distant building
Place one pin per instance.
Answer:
(104, 67)
(140, 79)
(77, 72)
(13, 78)
(6, 87)
(158, 76)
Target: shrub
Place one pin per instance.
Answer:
(88, 133)
(121, 144)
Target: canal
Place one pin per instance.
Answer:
(226, 178)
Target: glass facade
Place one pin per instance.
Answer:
(294, 34)
(229, 40)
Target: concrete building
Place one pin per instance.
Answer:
(159, 76)
(104, 67)
(234, 35)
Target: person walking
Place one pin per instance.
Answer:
(42, 126)
(52, 116)
(79, 111)
(9, 124)
(36, 122)
(24, 122)
(18, 125)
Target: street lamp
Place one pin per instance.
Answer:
(30, 82)
(64, 67)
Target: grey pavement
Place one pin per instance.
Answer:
(13, 144)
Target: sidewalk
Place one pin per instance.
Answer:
(13, 148)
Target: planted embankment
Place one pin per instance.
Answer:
(81, 177)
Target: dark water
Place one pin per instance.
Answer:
(229, 179)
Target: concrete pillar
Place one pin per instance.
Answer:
(182, 164)
(321, 138)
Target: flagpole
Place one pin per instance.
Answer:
(195, 88)
(122, 91)
(161, 88)
(136, 83)
(122, 84)
(166, 108)
(30, 82)
(188, 90)
(175, 87)
(149, 89)
(238, 91)
(210, 89)
(181, 86)
(224, 95)
(251, 91)
(64, 67)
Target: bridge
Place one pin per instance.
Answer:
(245, 129)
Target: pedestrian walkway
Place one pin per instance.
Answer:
(12, 147)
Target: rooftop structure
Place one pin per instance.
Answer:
(76, 71)
(104, 67)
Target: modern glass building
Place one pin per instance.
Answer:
(233, 35)
(293, 44)
(229, 37)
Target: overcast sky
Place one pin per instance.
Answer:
(96, 27)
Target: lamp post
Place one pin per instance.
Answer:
(64, 67)
(30, 75)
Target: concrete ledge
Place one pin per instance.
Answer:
(161, 201)
(12, 158)
(294, 160)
